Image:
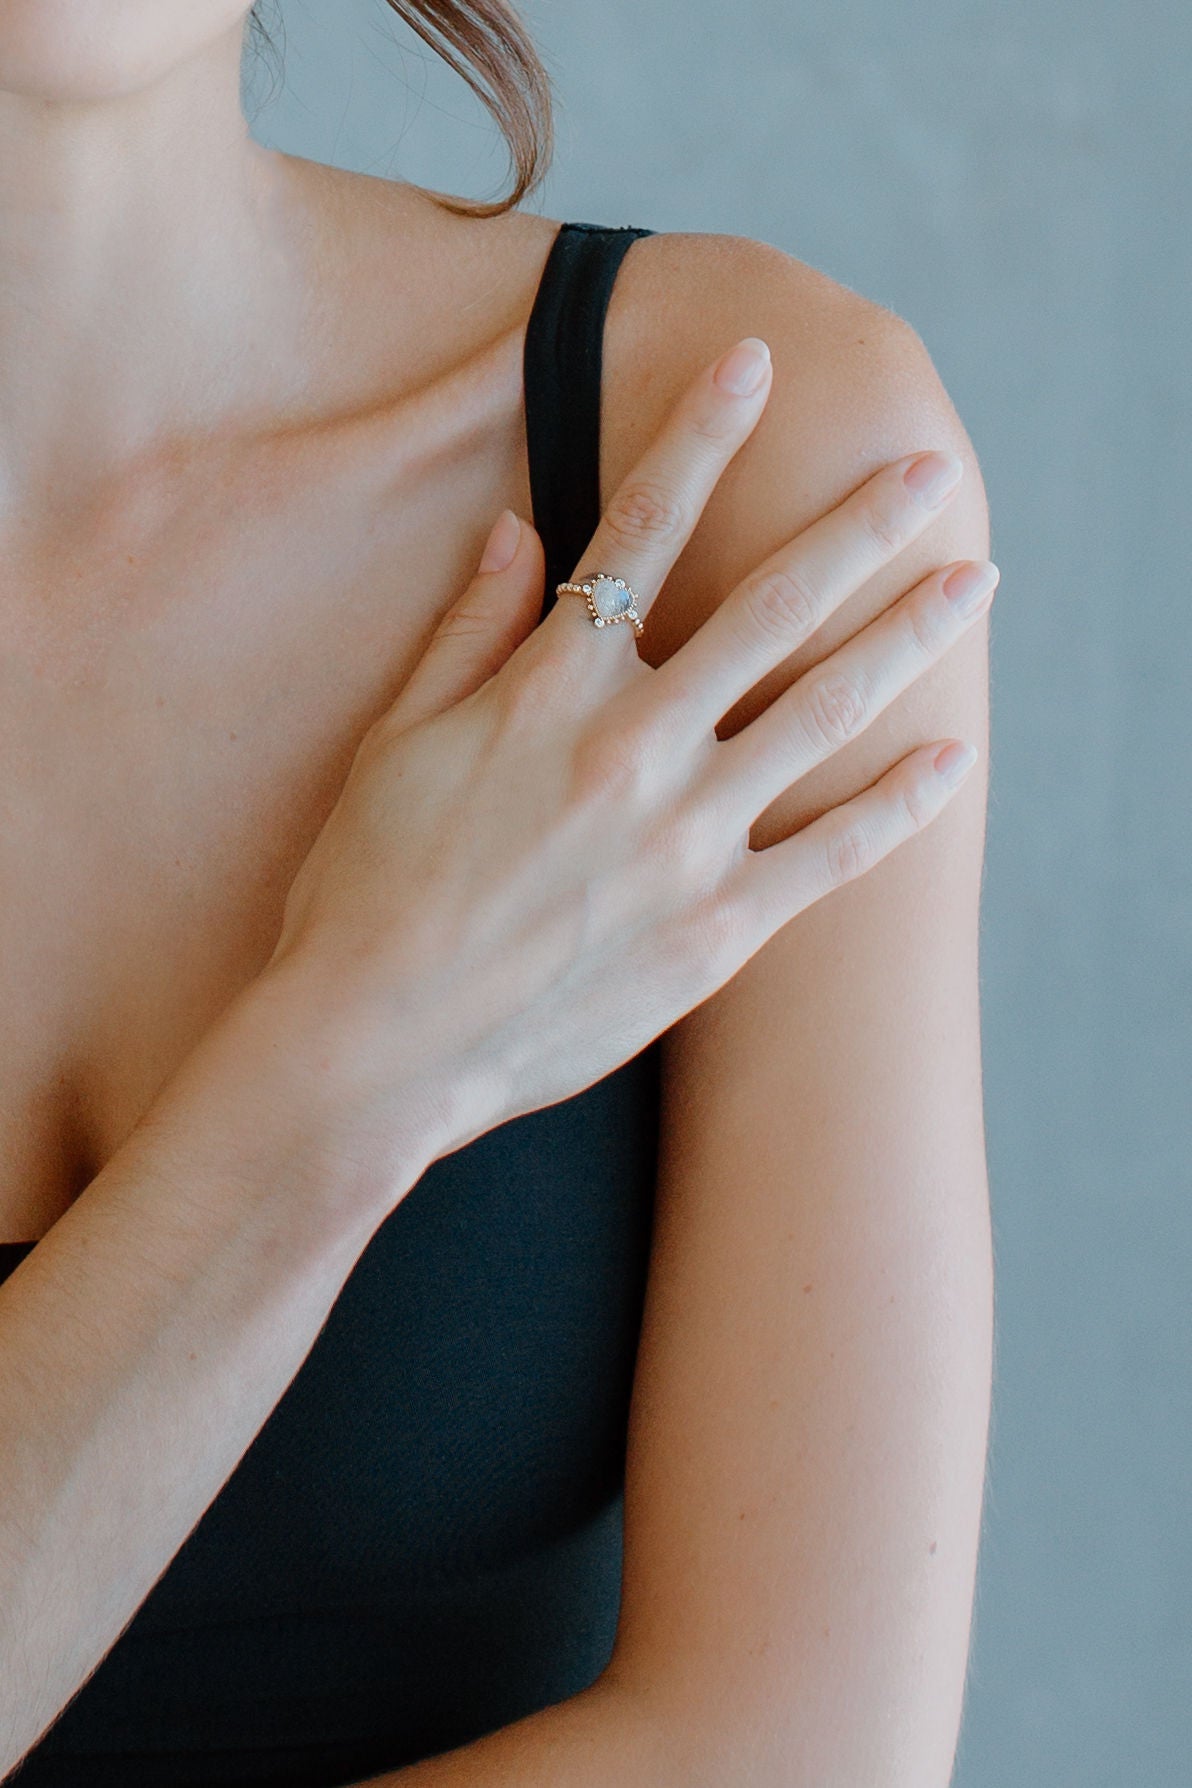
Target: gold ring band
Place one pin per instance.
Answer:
(610, 599)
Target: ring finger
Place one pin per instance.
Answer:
(840, 696)
(778, 606)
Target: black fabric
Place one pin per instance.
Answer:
(423, 1542)
(564, 344)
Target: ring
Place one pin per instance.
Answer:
(610, 599)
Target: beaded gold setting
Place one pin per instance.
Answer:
(609, 599)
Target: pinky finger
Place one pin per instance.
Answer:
(785, 878)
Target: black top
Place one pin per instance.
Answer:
(423, 1542)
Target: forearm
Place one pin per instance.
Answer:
(148, 1335)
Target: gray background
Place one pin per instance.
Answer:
(1014, 180)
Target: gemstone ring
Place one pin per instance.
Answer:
(610, 599)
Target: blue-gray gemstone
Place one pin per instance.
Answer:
(609, 599)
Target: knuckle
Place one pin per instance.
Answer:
(714, 423)
(918, 800)
(923, 628)
(610, 765)
(716, 940)
(465, 620)
(644, 514)
(836, 709)
(884, 521)
(850, 852)
(683, 845)
(528, 686)
(782, 605)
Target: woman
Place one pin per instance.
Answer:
(406, 1058)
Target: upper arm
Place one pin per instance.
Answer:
(807, 1436)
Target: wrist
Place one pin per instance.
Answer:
(291, 1088)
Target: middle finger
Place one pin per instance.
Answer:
(778, 606)
(829, 704)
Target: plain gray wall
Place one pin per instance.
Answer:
(1014, 180)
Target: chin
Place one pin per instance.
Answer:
(80, 50)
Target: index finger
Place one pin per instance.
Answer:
(654, 510)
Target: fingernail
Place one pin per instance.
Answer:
(501, 547)
(954, 761)
(744, 367)
(967, 587)
(933, 476)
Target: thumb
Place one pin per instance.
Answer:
(482, 628)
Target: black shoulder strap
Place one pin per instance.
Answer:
(562, 366)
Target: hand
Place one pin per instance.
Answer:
(539, 860)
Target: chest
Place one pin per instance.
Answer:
(183, 683)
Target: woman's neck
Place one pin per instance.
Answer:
(155, 263)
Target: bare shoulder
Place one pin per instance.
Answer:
(378, 255)
(854, 387)
(819, 1287)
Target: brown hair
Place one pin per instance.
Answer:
(486, 44)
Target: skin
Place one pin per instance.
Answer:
(808, 1433)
